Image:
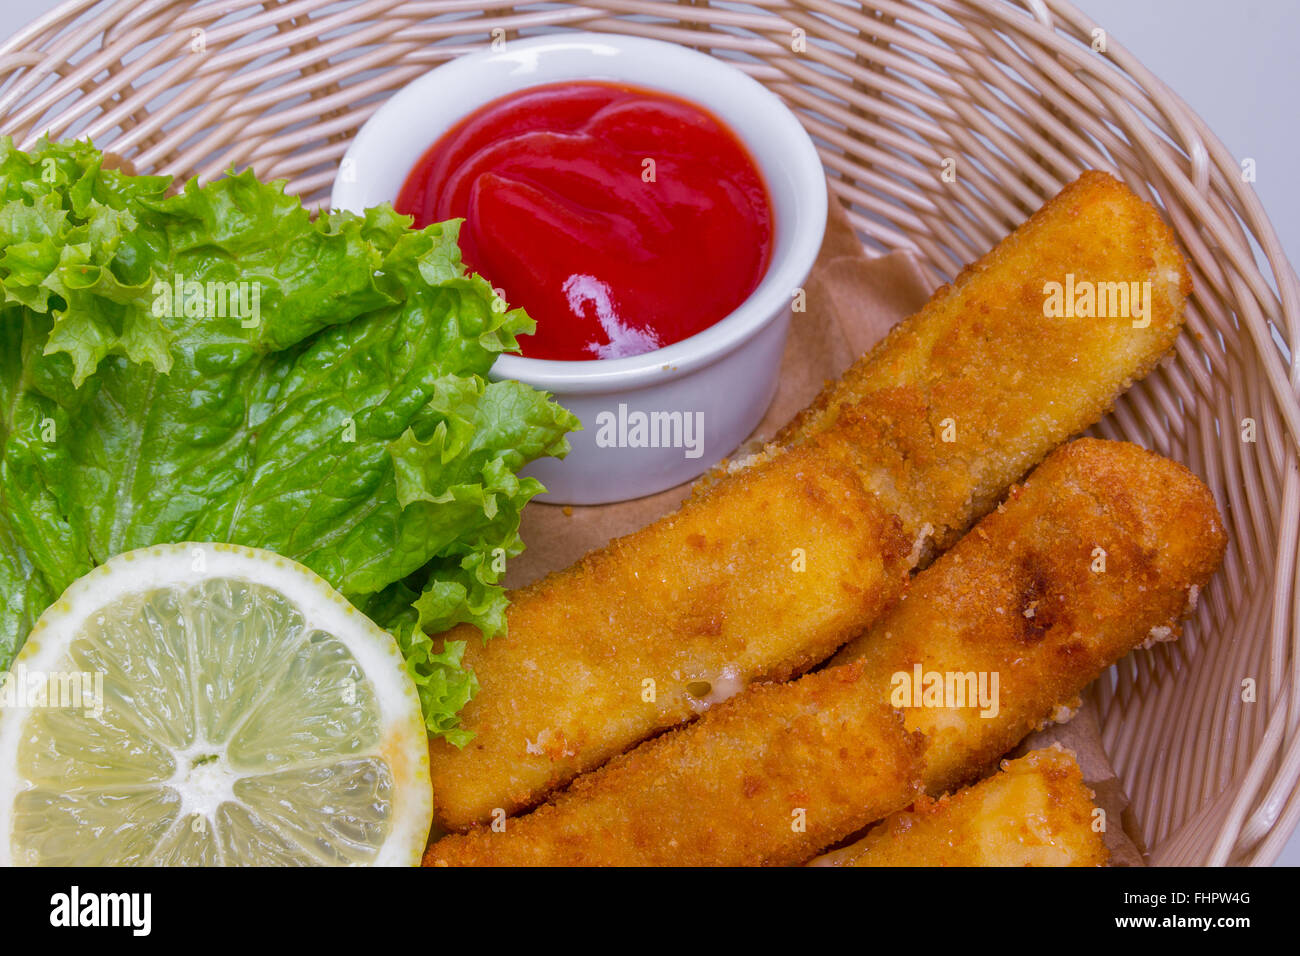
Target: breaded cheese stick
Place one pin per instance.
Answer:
(1020, 597)
(1103, 549)
(982, 364)
(1035, 811)
(733, 790)
(755, 579)
(656, 627)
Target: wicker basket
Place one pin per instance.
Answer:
(1021, 95)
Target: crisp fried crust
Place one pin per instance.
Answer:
(712, 593)
(766, 778)
(1096, 553)
(1011, 383)
(1036, 811)
(724, 790)
(766, 577)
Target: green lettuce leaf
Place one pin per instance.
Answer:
(216, 364)
(67, 232)
(24, 506)
(321, 484)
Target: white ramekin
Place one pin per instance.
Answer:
(728, 372)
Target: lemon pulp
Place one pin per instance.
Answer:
(232, 725)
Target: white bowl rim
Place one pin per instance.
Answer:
(774, 291)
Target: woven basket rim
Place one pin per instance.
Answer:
(1015, 87)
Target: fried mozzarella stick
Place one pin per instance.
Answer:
(1021, 606)
(768, 777)
(768, 568)
(1036, 811)
(991, 364)
(654, 628)
(1103, 549)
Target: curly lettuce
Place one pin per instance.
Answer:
(217, 364)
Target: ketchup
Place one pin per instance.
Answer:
(621, 219)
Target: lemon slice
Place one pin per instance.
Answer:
(201, 704)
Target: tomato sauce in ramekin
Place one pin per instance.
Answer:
(622, 219)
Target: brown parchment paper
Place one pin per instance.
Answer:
(1082, 735)
(852, 301)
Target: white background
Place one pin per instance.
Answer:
(1234, 61)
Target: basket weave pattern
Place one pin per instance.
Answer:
(1016, 98)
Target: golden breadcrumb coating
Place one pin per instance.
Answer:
(1012, 383)
(1036, 811)
(734, 789)
(1098, 550)
(767, 568)
(665, 622)
(822, 751)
